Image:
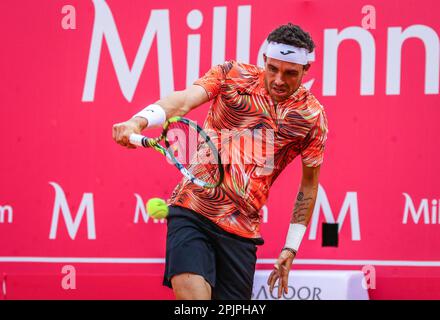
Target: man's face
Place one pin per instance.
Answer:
(283, 78)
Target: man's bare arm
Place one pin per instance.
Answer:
(306, 197)
(177, 103)
(302, 213)
(180, 103)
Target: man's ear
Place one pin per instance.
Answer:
(306, 69)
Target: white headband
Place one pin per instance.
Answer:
(288, 53)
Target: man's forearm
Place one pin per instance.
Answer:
(302, 212)
(178, 103)
(304, 204)
(174, 104)
(171, 106)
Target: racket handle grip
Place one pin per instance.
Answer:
(137, 139)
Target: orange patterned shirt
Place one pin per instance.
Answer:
(258, 140)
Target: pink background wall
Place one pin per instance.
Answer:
(380, 147)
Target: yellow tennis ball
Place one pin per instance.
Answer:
(157, 208)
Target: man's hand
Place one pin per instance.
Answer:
(121, 131)
(280, 272)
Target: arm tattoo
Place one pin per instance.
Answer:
(301, 208)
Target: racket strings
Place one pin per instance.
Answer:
(194, 152)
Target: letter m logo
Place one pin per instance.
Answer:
(61, 206)
(350, 204)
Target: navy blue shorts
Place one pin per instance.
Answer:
(197, 245)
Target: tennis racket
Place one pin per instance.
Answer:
(189, 149)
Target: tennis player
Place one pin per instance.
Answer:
(213, 234)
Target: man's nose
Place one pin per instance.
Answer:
(278, 80)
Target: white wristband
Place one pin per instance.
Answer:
(295, 235)
(154, 114)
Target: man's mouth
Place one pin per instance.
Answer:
(279, 91)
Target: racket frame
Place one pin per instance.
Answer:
(154, 143)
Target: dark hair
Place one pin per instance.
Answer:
(292, 35)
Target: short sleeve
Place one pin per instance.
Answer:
(214, 78)
(312, 152)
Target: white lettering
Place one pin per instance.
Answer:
(409, 208)
(430, 39)
(350, 204)
(104, 26)
(72, 225)
(194, 21)
(218, 36)
(3, 210)
(243, 33)
(332, 40)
